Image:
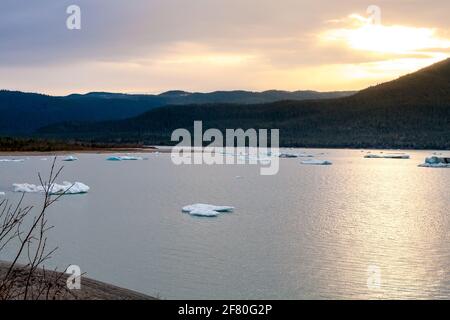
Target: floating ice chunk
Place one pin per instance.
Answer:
(2, 194)
(207, 207)
(206, 210)
(435, 165)
(12, 160)
(436, 162)
(373, 156)
(432, 160)
(387, 156)
(317, 162)
(288, 155)
(131, 158)
(70, 158)
(204, 213)
(65, 188)
(124, 158)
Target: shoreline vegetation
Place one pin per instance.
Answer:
(23, 232)
(31, 146)
(26, 145)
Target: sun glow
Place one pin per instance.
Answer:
(367, 36)
(389, 50)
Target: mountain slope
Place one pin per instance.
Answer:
(25, 112)
(410, 112)
(427, 85)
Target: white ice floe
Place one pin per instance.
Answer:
(12, 160)
(204, 213)
(65, 188)
(70, 158)
(317, 162)
(288, 155)
(2, 194)
(124, 158)
(387, 156)
(206, 210)
(294, 155)
(436, 162)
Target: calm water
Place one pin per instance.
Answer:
(308, 232)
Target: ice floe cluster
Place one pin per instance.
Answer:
(206, 210)
(65, 188)
(436, 162)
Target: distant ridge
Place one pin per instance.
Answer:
(410, 112)
(23, 113)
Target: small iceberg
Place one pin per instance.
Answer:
(2, 194)
(317, 162)
(206, 210)
(70, 158)
(65, 188)
(288, 155)
(387, 156)
(436, 162)
(12, 160)
(124, 158)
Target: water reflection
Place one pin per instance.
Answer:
(307, 232)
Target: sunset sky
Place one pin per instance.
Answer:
(149, 46)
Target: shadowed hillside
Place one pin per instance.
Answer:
(410, 112)
(23, 113)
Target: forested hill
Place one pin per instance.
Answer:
(430, 85)
(410, 112)
(23, 113)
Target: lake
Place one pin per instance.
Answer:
(309, 232)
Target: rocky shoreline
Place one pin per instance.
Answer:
(90, 289)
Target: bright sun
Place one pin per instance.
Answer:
(390, 50)
(367, 36)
